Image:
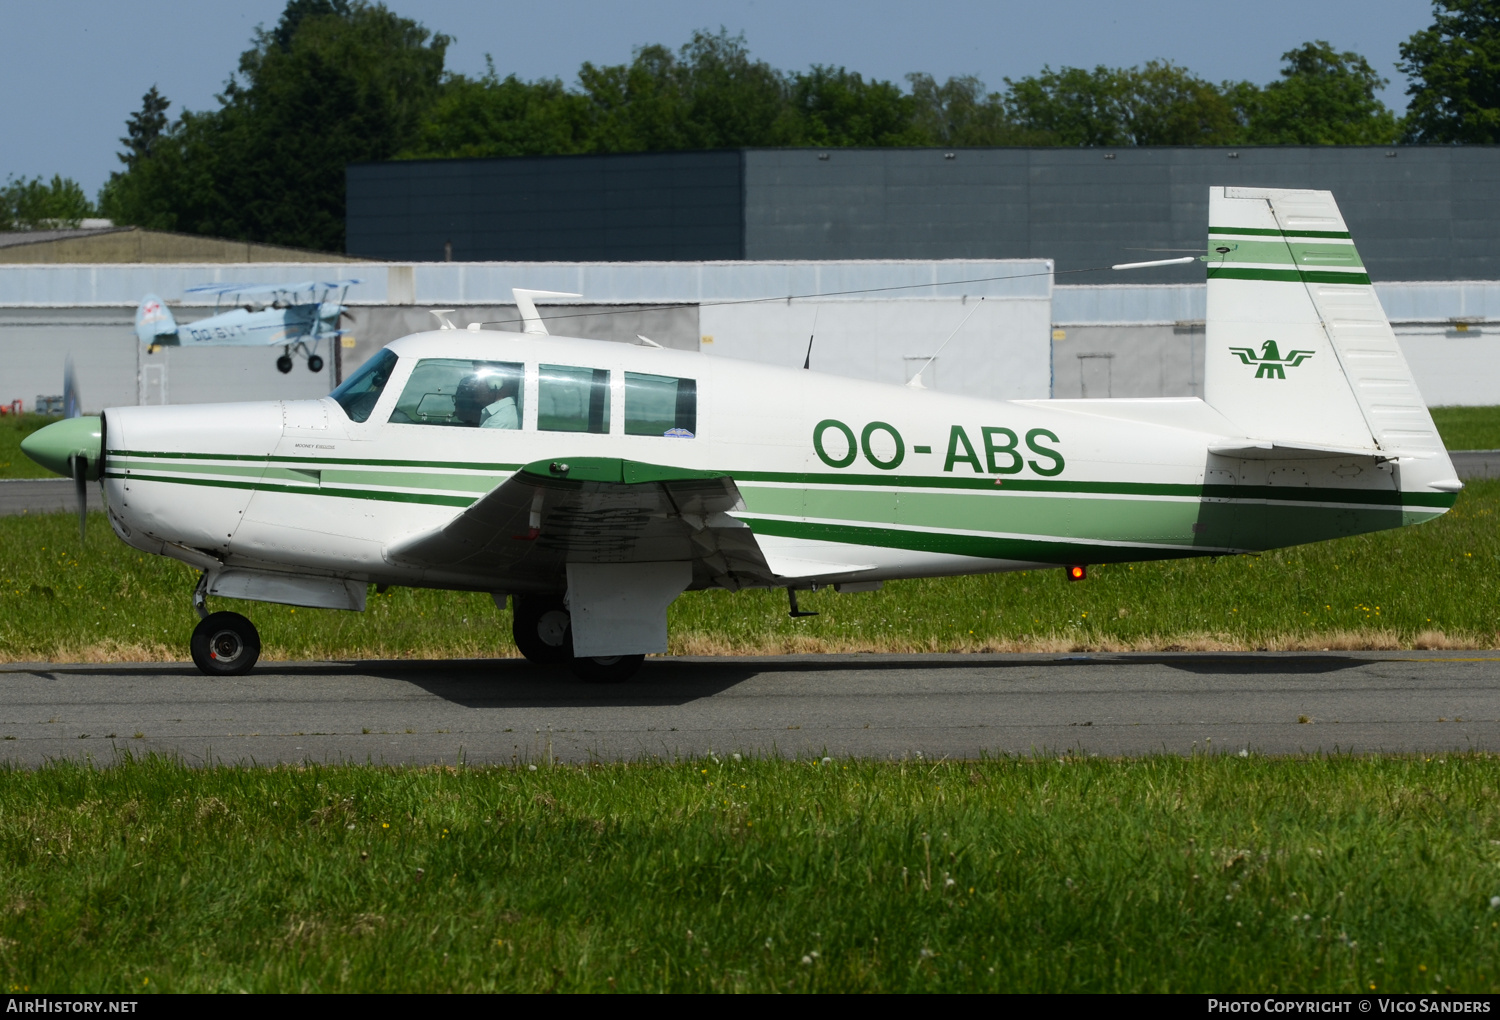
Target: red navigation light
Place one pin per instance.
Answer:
(1077, 572)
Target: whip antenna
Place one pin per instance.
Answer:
(915, 382)
(807, 361)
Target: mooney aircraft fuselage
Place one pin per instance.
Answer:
(842, 480)
(593, 482)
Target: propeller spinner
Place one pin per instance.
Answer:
(73, 447)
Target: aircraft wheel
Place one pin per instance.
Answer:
(540, 627)
(225, 644)
(314, 363)
(284, 364)
(610, 669)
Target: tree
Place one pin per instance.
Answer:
(490, 116)
(40, 205)
(835, 107)
(960, 112)
(1158, 104)
(1454, 68)
(1323, 98)
(335, 83)
(144, 128)
(710, 95)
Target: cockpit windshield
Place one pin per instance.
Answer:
(359, 393)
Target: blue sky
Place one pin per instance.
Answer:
(73, 70)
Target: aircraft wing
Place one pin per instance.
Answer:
(258, 288)
(594, 510)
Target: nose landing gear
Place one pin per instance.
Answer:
(225, 644)
(543, 632)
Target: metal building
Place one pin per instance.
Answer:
(873, 320)
(1418, 213)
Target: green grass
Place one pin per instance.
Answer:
(1434, 585)
(1162, 874)
(13, 429)
(1468, 428)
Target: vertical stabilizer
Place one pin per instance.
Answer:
(1298, 348)
(153, 321)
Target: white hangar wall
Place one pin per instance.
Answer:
(874, 319)
(999, 347)
(1149, 341)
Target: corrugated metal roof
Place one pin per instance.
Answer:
(14, 237)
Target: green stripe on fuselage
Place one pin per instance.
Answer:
(1272, 232)
(1285, 275)
(1210, 525)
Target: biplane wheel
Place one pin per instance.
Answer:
(314, 363)
(284, 364)
(606, 669)
(225, 644)
(539, 625)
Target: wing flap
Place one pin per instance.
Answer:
(593, 510)
(1267, 449)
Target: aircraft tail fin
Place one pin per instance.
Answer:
(1299, 351)
(154, 323)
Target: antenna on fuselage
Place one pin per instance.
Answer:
(915, 382)
(807, 361)
(531, 322)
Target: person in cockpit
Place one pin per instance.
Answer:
(487, 400)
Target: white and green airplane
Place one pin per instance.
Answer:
(592, 482)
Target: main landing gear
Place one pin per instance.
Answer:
(223, 644)
(541, 627)
(284, 363)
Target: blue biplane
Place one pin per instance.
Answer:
(294, 316)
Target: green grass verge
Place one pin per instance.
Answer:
(13, 429)
(1163, 874)
(1468, 428)
(1435, 585)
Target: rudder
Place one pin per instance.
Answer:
(154, 323)
(1298, 346)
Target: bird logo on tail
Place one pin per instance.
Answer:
(1270, 364)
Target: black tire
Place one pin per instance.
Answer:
(314, 363)
(539, 624)
(612, 669)
(284, 364)
(225, 644)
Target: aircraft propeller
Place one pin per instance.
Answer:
(78, 467)
(78, 464)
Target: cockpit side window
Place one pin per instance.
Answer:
(464, 393)
(573, 399)
(660, 405)
(359, 393)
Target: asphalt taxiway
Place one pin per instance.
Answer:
(882, 706)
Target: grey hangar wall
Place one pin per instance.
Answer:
(1416, 212)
